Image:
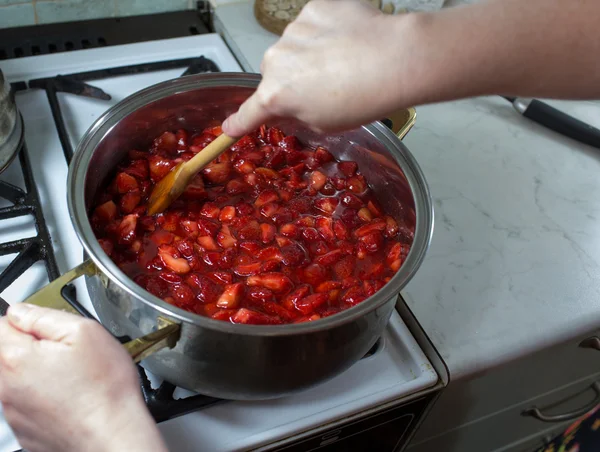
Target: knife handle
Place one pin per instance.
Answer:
(562, 123)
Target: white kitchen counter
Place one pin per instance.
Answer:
(514, 264)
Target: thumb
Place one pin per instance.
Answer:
(44, 323)
(250, 116)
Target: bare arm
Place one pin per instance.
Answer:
(342, 64)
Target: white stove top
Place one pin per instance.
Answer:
(398, 369)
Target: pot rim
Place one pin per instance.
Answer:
(79, 215)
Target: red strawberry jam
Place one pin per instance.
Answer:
(271, 232)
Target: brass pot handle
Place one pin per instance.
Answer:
(50, 296)
(402, 121)
(573, 415)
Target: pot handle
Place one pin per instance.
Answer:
(402, 121)
(51, 297)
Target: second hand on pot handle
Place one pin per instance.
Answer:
(175, 183)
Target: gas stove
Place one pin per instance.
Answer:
(372, 406)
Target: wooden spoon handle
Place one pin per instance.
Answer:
(207, 155)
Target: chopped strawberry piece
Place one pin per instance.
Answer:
(282, 216)
(275, 160)
(315, 274)
(217, 173)
(328, 286)
(178, 265)
(250, 231)
(290, 143)
(159, 167)
(207, 291)
(306, 221)
(267, 173)
(344, 267)
(138, 169)
(237, 186)
(182, 140)
(370, 287)
(325, 228)
(216, 130)
(277, 282)
(253, 268)
(353, 296)
(289, 230)
(322, 155)
(351, 200)
(170, 277)
(107, 211)
(340, 230)
(208, 243)
(374, 208)
(130, 201)
(221, 277)
(289, 302)
(244, 144)
(372, 241)
(127, 229)
(283, 241)
(356, 185)
(317, 180)
(310, 234)
(167, 142)
(270, 253)
(224, 314)
(375, 225)
(225, 237)
(250, 247)
(339, 183)
(330, 258)
(269, 209)
(275, 136)
(227, 214)
(244, 209)
(253, 318)
(195, 189)
(107, 246)
(157, 286)
(292, 255)
(391, 227)
(231, 296)
(350, 218)
(162, 237)
(202, 140)
(308, 305)
(185, 247)
(126, 183)
(327, 205)
(207, 227)
(267, 232)
(210, 210)
(348, 169)
(190, 227)
(265, 197)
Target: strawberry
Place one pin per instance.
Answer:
(269, 209)
(372, 241)
(274, 136)
(328, 286)
(244, 166)
(237, 187)
(217, 173)
(308, 305)
(138, 169)
(292, 255)
(185, 247)
(325, 228)
(195, 189)
(289, 230)
(215, 130)
(351, 200)
(210, 210)
(171, 278)
(282, 215)
(127, 229)
(207, 291)
(130, 201)
(327, 205)
(225, 237)
(356, 185)
(290, 144)
(310, 234)
(365, 215)
(348, 169)
(231, 296)
(275, 160)
(202, 140)
(107, 246)
(289, 302)
(208, 243)
(162, 237)
(340, 230)
(270, 253)
(167, 142)
(374, 208)
(227, 214)
(178, 265)
(283, 241)
(391, 227)
(330, 258)
(265, 197)
(322, 155)
(344, 267)
(106, 212)
(339, 183)
(157, 286)
(270, 266)
(254, 318)
(250, 247)
(353, 296)
(370, 287)
(277, 282)
(260, 295)
(317, 180)
(159, 167)
(190, 227)
(244, 209)
(250, 231)
(224, 314)
(207, 227)
(350, 218)
(126, 183)
(212, 258)
(267, 232)
(182, 140)
(375, 225)
(247, 269)
(314, 274)
(309, 318)
(244, 144)
(221, 277)
(306, 221)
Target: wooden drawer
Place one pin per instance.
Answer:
(497, 389)
(506, 429)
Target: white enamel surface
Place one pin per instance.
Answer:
(398, 369)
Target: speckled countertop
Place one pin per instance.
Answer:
(514, 265)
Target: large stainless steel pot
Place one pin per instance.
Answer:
(213, 357)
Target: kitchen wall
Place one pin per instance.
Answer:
(14, 13)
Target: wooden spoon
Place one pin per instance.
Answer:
(175, 183)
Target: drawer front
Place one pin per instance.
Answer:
(510, 426)
(497, 389)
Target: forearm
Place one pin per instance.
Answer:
(530, 48)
